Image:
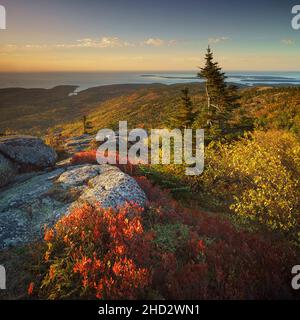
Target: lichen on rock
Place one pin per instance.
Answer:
(27, 151)
(26, 207)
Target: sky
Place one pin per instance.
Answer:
(136, 35)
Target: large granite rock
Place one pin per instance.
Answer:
(78, 175)
(7, 171)
(112, 188)
(28, 205)
(27, 151)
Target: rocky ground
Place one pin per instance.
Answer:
(35, 190)
(79, 143)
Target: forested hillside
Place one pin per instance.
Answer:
(266, 107)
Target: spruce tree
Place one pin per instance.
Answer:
(221, 100)
(185, 115)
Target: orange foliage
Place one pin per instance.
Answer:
(99, 245)
(30, 288)
(114, 254)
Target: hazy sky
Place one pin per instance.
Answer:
(147, 35)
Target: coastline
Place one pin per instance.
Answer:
(87, 80)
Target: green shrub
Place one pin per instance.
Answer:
(170, 236)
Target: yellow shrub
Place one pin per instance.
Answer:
(258, 177)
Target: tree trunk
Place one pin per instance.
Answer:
(209, 122)
(208, 96)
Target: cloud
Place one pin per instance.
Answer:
(101, 43)
(35, 46)
(9, 47)
(154, 42)
(288, 42)
(172, 42)
(218, 40)
(104, 42)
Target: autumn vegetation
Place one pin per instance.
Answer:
(165, 251)
(230, 233)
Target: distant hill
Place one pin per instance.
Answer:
(35, 110)
(150, 107)
(142, 105)
(268, 107)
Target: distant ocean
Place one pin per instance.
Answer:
(85, 80)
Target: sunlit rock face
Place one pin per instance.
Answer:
(41, 198)
(27, 151)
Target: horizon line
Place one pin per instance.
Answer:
(137, 71)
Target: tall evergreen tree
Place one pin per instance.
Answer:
(221, 100)
(185, 115)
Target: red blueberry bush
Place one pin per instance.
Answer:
(89, 255)
(91, 157)
(165, 251)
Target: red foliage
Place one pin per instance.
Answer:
(154, 193)
(30, 288)
(84, 157)
(234, 264)
(98, 243)
(115, 254)
(194, 286)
